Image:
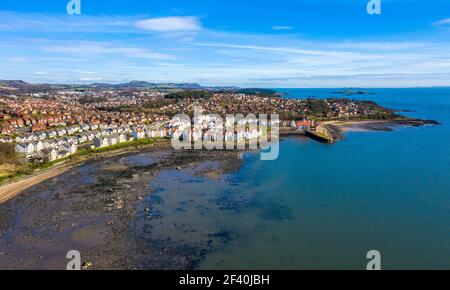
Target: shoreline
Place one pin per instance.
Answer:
(357, 126)
(13, 187)
(377, 125)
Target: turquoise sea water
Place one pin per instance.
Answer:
(325, 206)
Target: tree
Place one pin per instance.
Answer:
(7, 153)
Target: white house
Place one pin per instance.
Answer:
(97, 134)
(113, 140)
(25, 138)
(82, 138)
(63, 154)
(52, 134)
(38, 146)
(122, 138)
(74, 140)
(64, 147)
(32, 137)
(51, 154)
(138, 134)
(72, 148)
(40, 135)
(21, 139)
(70, 139)
(71, 130)
(126, 129)
(26, 149)
(101, 142)
(62, 132)
(90, 136)
(293, 124)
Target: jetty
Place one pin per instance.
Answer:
(321, 137)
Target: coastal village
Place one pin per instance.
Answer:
(53, 124)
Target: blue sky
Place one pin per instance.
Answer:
(264, 43)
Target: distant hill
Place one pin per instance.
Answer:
(24, 86)
(6, 86)
(21, 86)
(144, 85)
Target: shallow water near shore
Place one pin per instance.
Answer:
(388, 191)
(318, 206)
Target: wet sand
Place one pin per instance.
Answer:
(361, 126)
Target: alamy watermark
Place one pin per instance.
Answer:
(374, 7)
(74, 7)
(74, 260)
(375, 260)
(236, 132)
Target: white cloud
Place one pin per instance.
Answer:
(442, 22)
(285, 50)
(86, 48)
(32, 22)
(282, 27)
(170, 24)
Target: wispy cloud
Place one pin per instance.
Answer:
(86, 48)
(442, 22)
(37, 22)
(285, 50)
(282, 27)
(170, 24)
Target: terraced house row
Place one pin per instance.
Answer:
(53, 145)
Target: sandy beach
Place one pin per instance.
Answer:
(10, 190)
(360, 126)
